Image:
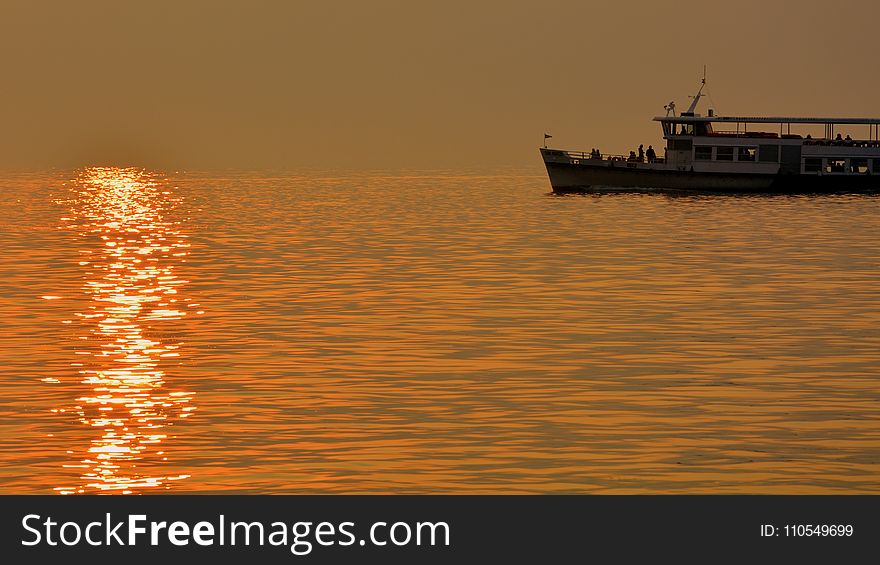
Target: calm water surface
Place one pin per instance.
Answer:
(429, 333)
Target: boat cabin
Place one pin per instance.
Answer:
(726, 144)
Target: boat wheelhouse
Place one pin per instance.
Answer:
(734, 154)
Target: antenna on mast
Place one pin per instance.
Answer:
(699, 94)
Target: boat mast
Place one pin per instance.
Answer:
(699, 95)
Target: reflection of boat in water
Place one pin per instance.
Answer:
(700, 156)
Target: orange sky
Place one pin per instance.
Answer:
(394, 84)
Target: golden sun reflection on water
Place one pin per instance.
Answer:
(129, 252)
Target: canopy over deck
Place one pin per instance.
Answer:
(767, 120)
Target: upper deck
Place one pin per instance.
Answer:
(689, 124)
(685, 118)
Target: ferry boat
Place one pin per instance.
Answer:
(732, 154)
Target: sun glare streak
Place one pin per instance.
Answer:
(133, 251)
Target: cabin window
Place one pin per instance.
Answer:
(768, 153)
(812, 165)
(859, 166)
(703, 153)
(746, 153)
(835, 166)
(724, 153)
(680, 144)
(686, 129)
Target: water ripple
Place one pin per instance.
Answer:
(433, 332)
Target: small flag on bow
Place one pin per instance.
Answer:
(547, 136)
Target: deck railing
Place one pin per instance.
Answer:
(806, 140)
(583, 155)
(843, 142)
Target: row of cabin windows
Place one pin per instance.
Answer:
(724, 153)
(856, 166)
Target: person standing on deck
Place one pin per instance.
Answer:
(641, 153)
(652, 155)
